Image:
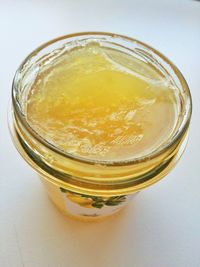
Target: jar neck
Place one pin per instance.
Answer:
(94, 179)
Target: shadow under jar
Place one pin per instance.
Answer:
(99, 116)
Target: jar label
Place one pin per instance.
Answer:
(92, 206)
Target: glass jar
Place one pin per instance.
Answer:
(95, 188)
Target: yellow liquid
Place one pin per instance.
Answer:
(99, 103)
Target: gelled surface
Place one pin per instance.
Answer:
(102, 104)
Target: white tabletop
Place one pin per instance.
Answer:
(161, 228)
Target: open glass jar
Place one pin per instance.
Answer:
(93, 188)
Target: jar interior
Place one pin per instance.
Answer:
(136, 57)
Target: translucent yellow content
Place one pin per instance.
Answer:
(101, 104)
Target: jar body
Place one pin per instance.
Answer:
(92, 189)
(89, 205)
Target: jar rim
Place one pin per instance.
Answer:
(153, 154)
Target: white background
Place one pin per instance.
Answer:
(161, 228)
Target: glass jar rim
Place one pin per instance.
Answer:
(155, 153)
